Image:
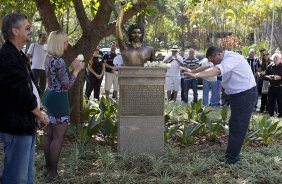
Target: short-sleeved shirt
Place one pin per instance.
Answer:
(39, 53)
(254, 64)
(109, 58)
(97, 65)
(236, 73)
(174, 70)
(191, 62)
(205, 62)
(118, 61)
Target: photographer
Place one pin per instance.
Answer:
(172, 80)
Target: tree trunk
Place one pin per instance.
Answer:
(92, 33)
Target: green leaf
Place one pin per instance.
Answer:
(273, 127)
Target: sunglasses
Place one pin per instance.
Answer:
(265, 55)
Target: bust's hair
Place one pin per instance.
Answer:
(10, 21)
(135, 26)
(213, 50)
(55, 44)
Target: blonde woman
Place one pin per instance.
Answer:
(55, 99)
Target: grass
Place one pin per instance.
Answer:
(193, 164)
(201, 164)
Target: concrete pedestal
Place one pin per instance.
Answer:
(141, 110)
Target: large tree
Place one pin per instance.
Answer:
(93, 31)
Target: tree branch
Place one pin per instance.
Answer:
(136, 8)
(47, 13)
(81, 15)
(104, 12)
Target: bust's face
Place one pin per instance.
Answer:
(136, 35)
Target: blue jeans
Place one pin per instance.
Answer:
(19, 153)
(217, 93)
(185, 85)
(242, 105)
(207, 85)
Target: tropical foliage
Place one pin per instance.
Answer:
(188, 23)
(184, 124)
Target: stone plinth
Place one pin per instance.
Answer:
(141, 110)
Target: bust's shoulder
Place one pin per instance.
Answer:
(149, 48)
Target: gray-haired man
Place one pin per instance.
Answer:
(19, 107)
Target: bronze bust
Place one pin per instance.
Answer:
(133, 53)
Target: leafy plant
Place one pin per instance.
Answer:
(100, 118)
(89, 108)
(189, 133)
(197, 112)
(250, 136)
(268, 130)
(174, 115)
(196, 118)
(213, 129)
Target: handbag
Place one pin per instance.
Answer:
(265, 86)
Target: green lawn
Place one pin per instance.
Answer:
(96, 162)
(193, 164)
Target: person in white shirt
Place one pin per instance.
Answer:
(209, 83)
(118, 61)
(172, 80)
(240, 86)
(37, 52)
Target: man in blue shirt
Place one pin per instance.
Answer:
(240, 85)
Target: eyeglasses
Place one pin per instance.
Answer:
(28, 28)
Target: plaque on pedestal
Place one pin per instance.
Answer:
(141, 110)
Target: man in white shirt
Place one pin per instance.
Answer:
(37, 52)
(240, 85)
(172, 80)
(118, 61)
(210, 83)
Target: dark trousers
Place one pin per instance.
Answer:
(185, 85)
(93, 83)
(241, 105)
(263, 104)
(274, 95)
(39, 79)
(259, 85)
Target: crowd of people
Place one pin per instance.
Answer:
(266, 70)
(23, 80)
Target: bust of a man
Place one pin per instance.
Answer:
(133, 53)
